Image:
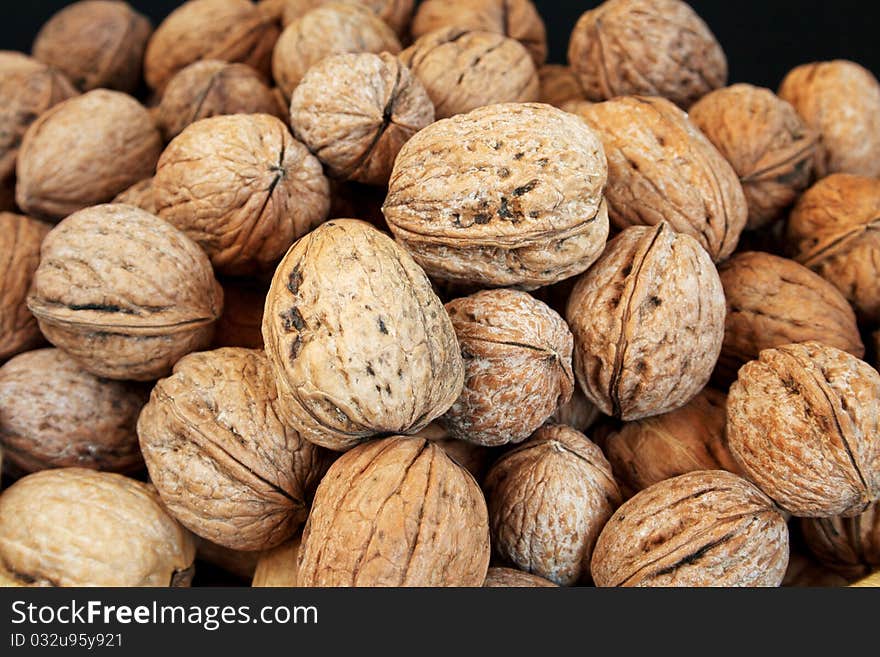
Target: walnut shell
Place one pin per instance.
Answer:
(848, 546)
(140, 195)
(803, 421)
(124, 293)
(474, 458)
(578, 412)
(648, 323)
(840, 100)
(509, 578)
(517, 360)
(704, 528)
(548, 500)
(804, 571)
(96, 43)
(355, 111)
(464, 69)
(396, 13)
(243, 188)
(83, 152)
(78, 527)
(559, 85)
(662, 168)
(506, 195)
(279, 566)
(646, 47)
(396, 512)
(241, 324)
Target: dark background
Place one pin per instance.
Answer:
(763, 39)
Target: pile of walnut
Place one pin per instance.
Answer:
(364, 293)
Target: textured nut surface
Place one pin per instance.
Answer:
(517, 361)
(242, 188)
(803, 421)
(124, 293)
(578, 412)
(140, 195)
(508, 578)
(474, 458)
(279, 566)
(548, 500)
(704, 528)
(241, 324)
(506, 195)
(396, 512)
(359, 342)
(848, 546)
(78, 527)
(647, 47)
(559, 85)
(397, 13)
(648, 323)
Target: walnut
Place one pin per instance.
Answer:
(648, 323)
(140, 195)
(548, 500)
(211, 88)
(559, 85)
(243, 188)
(506, 195)
(773, 301)
(396, 512)
(474, 458)
(833, 230)
(804, 571)
(766, 142)
(517, 359)
(96, 44)
(359, 342)
(463, 69)
(332, 28)
(355, 111)
(847, 546)
(229, 30)
(279, 566)
(124, 293)
(396, 13)
(646, 47)
(704, 528)
(517, 19)
(20, 239)
(662, 168)
(83, 152)
(803, 421)
(840, 100)
(509, 578)
(79, 527)
(578, 412)
(241, 323)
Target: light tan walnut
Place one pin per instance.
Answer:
(140, 195)
(510, 578)
(397, 13)
(277, 568)
(474, 458)
(559, 85)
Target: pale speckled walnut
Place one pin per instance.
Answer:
(847, 546)
(241, 323)
(474, 458)
(559, 85)
(463, 69)
(83, 152)
(517, 362)
(704, 528)
(242, 188)
(359, 342)
(506, 195)
(124, 293)
(767, 143)
(510, 578)
(803, 422)
(548, 500)
(355, 111)
(662, 168)
(96, 43)
(648, 323)
(804, 571)
(397, 13)
(224, 463)
(140, 195)
(840, 100)
(396, 512)
(78, 527)
(646, 47)
(277, 568)
(578, 412)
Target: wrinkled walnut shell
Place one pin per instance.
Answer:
(848, 546)
(559, 85)
(140, 195)
(578, 412)
(509, 578)
(396, 13)
(474, 458)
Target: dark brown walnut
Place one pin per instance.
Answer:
(464, 69)
(241, 323)
(124, 293)
(229, 30)
(359, 342)
(79, 527)
(767, 143)
(243, 188)
(646, 47)
(20, 240)
(396, 512)
(559, 85)
(140, 195)
(355, 111)
(578, 412)
(847, 546)
(396, 13)
(773, 301)
(277, 568)
(803, 422)
(804, 571)
(840, 100)
(96, 43)
(648, 323)
(211, 88)
(506, 195)
(548, 500)
(83, 152)
(517, 363)
(662, 168)
(474, 458)
(704, 528)
(510, 578)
